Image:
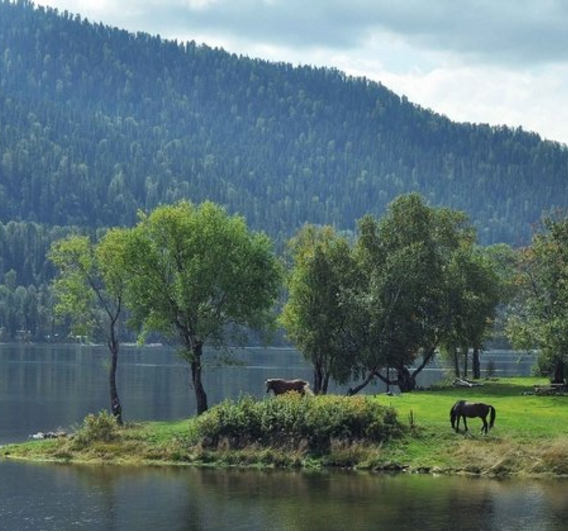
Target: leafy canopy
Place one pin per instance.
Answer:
(315, 315)
(195, 270)
(541, 316)
(91, 282)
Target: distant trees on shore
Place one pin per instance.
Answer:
(378, 304)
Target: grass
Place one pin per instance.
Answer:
(529, 437)
(519, 415)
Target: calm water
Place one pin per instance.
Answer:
(43, 388)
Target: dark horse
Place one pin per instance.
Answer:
(463, 409)
(279, 386)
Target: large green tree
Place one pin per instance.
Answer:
(407, 307)
(540, 311)
(90, 290)
(198, 274)
(315, 315)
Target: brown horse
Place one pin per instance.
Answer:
(463, 409)
(279, 386)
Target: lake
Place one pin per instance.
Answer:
(48, 387)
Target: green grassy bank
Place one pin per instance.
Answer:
(409, 432)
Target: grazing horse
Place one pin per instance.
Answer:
(279, 386)
(463, 409)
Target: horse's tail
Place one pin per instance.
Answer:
(308, 390)
(492, 415)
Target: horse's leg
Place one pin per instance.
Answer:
(464, 422)
(484, 427)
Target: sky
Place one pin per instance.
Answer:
(499, 62)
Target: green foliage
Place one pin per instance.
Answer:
(540, 312)
(25, 297)
(76, 281)
(197, 269)
(96, 428)
(291, 421)
(90, 289)
(425, 286)
(196, 274)
(315, 313)
(413, 283)
(90, 283)
(474, 292)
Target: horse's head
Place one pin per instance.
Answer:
(454, 413)
(268, 383)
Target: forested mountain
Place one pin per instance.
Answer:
(97, 122)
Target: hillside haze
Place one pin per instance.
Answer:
(96, 123)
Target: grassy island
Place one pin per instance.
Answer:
(409, 432)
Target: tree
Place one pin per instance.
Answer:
(315, 314)
(473, 294)
(90, 290)
(540, 315)
(197, 275)
(405, 311)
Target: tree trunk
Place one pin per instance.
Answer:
(318, 379)
(456, 361)
(200, 395)
(476, 364)
(558, 376)
(406, 381)
(325, 384)
(465, 360)
(370, 376)
(116, 408)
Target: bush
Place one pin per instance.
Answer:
(290, 421)
(96, 428)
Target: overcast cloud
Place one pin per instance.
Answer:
(483, 61)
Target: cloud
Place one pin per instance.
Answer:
(521, 32)
(498, 62)
(485, 94)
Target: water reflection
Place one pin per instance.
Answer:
(117, 498)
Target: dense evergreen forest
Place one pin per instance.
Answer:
(97, 122)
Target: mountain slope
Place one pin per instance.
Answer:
(96, 123)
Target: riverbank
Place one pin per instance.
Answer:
(528, 438)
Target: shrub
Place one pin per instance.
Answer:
(290, 421)
(96, 428)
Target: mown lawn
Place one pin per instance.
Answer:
(519, 415)
(530, 436)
